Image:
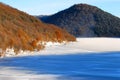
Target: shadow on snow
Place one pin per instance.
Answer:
(105, 66)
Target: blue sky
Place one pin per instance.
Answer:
(46, 7)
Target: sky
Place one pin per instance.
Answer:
(48, 7)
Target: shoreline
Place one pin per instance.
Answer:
(82, 45)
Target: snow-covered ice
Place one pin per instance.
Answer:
(66, 61)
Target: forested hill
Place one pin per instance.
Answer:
(19, 30)
(86, 21)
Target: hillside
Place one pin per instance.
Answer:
(86, 21)
(21, 31)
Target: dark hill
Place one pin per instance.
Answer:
(86, 21)
(19, 30)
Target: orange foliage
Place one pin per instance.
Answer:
(34, 43)
(22, 31)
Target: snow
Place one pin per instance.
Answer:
(50, 63)
(86, 45)
(8, 73)
(99, 44)
(83, 45)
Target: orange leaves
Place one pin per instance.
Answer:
(22, 31)
(34, 43)
(59, 35)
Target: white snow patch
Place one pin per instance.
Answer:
(9, 73)
(99, 44)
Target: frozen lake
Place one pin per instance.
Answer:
(85, 59)
(105, 66)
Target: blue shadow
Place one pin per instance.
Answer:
(94, 66)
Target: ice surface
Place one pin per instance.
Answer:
(85, 59)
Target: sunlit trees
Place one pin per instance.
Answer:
(21, 31)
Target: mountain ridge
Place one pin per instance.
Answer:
(83, 20)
